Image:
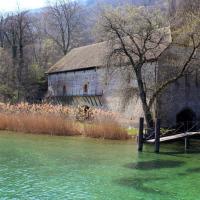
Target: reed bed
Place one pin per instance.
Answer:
(44, 108)
(59, 120)
(47, 108)
(38, 124)
(106, 130)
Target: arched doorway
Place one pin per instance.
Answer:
(186, 120)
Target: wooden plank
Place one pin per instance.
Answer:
(91, 101)
(99, 100)
(87, 101)
(174, 137)
(95, 102)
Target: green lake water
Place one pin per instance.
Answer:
(44, 167)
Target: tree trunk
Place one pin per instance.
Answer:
(14, 80)
(21, 62)
(143, 97)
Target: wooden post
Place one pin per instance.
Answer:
(140, 135)
(157, 136)
(186, 143)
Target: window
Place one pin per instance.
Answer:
(85, 89)
(64, 90)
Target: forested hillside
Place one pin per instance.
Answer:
(114, 2)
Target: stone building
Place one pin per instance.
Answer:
(82, 78)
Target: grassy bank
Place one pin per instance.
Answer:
(58, 120)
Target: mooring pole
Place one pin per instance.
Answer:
(187, 143)
(157, 136)
(140, 134)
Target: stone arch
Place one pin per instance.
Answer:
(186, 117)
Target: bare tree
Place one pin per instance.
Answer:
(63, 24)
(24, 36)
(18, 34)
(137, 36)
(2, 26)
(30, 52)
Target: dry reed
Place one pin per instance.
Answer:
(106, 130)
(38, 124)
(59, 120)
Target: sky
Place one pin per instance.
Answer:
(12, 5)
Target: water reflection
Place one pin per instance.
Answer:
(142, 184)
(155, 164)
(193, 170)
(189, 171)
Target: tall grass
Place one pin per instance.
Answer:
(106, 130)
(59, 120)
(38, 124)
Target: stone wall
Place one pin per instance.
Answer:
(75, 83)
(181, 95)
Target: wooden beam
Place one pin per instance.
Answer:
(157, 136)
(174, 137)
(140, 134)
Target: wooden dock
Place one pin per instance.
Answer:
(174, 137)
(157, 139)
